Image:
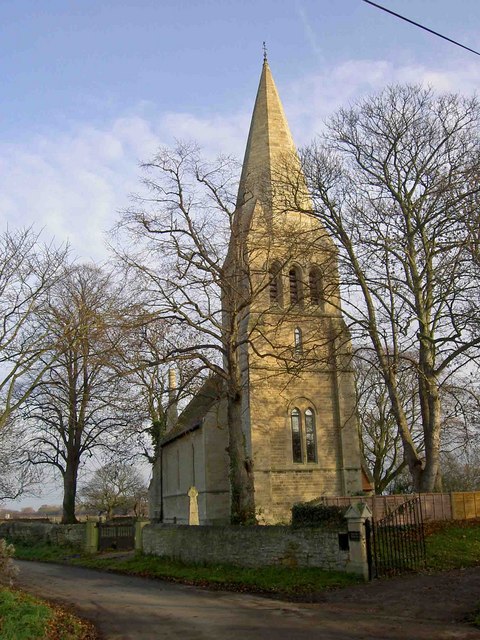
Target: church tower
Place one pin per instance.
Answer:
(298, 397)
(290, 387)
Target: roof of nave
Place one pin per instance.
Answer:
(191, 417)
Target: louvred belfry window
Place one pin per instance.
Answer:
(315, 286)
(294, 285)
(275, 284)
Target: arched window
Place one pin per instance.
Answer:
(297, 341)
(304, 433)
(275, 283)
(296, 435)
(310, 436)
(315, 286)
(294, 280)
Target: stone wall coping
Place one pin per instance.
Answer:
(284, 528)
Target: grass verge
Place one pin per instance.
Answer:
(23, 617)
(450, 545)
(453, 545)
(292, 582)
(289, 581)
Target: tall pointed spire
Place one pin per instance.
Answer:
(269, 139)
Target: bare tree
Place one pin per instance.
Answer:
(200, 272)
(81, 403)
(144, 359)
(114, 487)
(461, 413)
(16, 478)
(393, 182)
(180, 234)
(28, 270)
(461, 470)
(380, 440)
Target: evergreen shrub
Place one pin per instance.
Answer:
(312, 514)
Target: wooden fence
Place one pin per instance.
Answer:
(465, 505)
(435, 506)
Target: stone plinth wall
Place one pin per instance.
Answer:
(60, 535)
(247, 546)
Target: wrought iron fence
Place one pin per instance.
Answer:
(398, 541)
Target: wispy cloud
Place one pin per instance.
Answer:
(310, 34)
(71, 184)
(74, 182)
(313, 98)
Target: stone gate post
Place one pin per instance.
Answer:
(356, 517)
(91, 537)
(139, 524)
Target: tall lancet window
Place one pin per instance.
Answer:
(275, 283)
(297, 341)
(310, 436)
(296, 435)
(295, 285)
(315, 286)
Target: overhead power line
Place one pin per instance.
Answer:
(435, 33)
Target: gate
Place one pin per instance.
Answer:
(398, 541)
(116, 536)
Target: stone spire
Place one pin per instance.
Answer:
(269, 139)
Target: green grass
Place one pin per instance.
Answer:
(294, 582)
(291, 581)
(453, 546)
(45, 553)
(23, 617)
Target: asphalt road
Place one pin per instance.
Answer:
(124, 608)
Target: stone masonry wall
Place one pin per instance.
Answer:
(247, 546)
(61, 535)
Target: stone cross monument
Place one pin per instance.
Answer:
(193, 511)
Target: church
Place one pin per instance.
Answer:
(298, 395)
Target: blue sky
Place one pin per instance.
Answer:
(91, 87)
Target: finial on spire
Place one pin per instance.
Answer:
(264, 52)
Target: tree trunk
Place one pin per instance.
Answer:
(241, 471)
(430, 480)
(410, 453)
(430, 404)
(69, 492)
